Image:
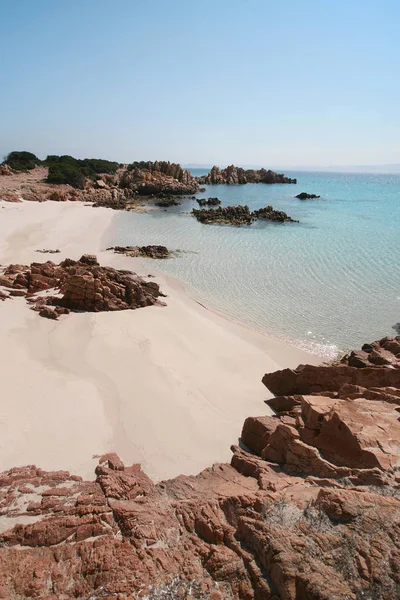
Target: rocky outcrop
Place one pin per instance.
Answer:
(10, 196)
(308, 509)
(231, 215)
(270, 214)
(208, 201)
(144, 251)
(367, 369)
(79, 286)
(154, 178)
(5, 170)
(240, 215)
(305, 196)
(123, 190)
(236, 175)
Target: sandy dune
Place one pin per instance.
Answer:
(165, 386)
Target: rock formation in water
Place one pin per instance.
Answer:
(78, 285)
(305, 196)
(167, 202)
(240, 215)
(270, 214)
(236, 175)
(308, 508)
(154, 178)
(144, 251)
(208, 201)
(232, 215)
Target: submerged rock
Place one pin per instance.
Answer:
(167, 202)
(144, 251)
(305, 196)
(48, 251)
(208, 201)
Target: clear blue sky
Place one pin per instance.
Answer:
(294, 82)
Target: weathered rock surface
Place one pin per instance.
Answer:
(79, 286)
(305, 196)
(160, 177)
(145, 251)
(239, 215)
(5, 170)
(236, 175)
(367, 369)
(310, 510)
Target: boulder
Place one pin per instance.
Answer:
(84, 286)
(256, 432)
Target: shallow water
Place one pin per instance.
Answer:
(329, 283)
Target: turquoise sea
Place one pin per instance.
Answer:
(328, 283)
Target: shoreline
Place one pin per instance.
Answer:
(168, 387)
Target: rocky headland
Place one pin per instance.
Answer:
(240, 215)
(308, 508)
(78, 286)
(103, 183)
(237, 176)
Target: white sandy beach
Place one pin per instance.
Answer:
(168, 387)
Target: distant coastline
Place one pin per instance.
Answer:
(385, 168)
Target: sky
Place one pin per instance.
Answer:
(249, 82)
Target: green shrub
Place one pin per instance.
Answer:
(66, 173)
(22, 161)
(67, 169)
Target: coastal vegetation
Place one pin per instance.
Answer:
(63, 169)
(69, 170)
(21, 161)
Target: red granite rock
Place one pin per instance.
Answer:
(84, 286)
(310, 512)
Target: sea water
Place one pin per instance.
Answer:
(328, 283)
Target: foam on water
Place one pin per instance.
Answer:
(327, 284)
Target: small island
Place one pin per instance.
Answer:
(237, 176)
